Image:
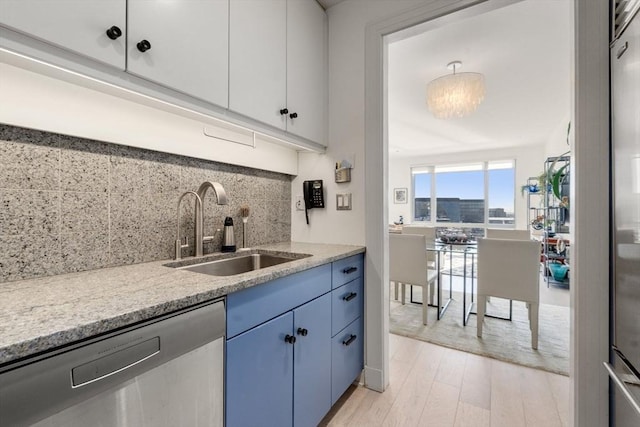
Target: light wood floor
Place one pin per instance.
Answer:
(440, 387)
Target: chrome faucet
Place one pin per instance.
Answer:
(179, 244)
(221, 199)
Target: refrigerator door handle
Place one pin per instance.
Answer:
(622, 386)
(622, 50)
(626, 362)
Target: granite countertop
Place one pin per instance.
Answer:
(40, 314)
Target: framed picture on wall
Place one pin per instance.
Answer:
(400, 195)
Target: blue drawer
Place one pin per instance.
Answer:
(347, 349)
(346, 270)
(346, 305)
(252, 306)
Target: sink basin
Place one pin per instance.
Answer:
(238, 265)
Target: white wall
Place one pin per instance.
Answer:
(33, 100)
(347, 22)
(529, 162)
(557, 142)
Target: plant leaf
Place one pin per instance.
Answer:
(557, 177)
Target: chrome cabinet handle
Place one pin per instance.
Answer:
(350, 270)
(622, 386)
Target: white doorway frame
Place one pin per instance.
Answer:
(590, 211)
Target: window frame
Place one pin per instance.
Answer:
(485, 167)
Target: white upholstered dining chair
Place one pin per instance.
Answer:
(496, 233)
(408, 266)
(509, 269)
(430, 234)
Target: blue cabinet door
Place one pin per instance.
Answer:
(259, 379)
(312, 362)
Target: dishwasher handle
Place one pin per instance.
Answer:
(114, 363)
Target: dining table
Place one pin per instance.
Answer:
(467, 250)
(442, 249)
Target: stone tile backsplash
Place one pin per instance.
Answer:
(69, 204)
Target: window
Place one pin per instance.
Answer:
(501, 189)
(473, 195)
(421, 195)
(460, 194)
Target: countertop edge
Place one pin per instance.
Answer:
(27, 348)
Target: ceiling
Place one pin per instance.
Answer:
(523, 50)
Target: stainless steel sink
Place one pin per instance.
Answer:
(238, 265)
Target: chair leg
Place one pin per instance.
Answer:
(432, 292)
(402, 291)
(533, 314)
(432, 295)
(395, 290)
(481, 307)
(424, 305)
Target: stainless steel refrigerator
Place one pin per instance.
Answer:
(624, 366)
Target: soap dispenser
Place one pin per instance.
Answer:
(228, 239)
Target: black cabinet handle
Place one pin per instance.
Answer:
(351, 296)
(293, 115)
(351, 339)
(350, 270)
(290, 339)
(144, 45)
(284, 111)
(114, 32)
(303, 332)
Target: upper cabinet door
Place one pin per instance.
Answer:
(186, 45)
(257, 59)
(77, 25)
(306, 69)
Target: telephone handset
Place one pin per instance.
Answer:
(313, 196)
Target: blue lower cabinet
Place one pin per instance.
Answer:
(278, 372)
(347, 358)
(312, 362)
(285, 363)
(259, 375)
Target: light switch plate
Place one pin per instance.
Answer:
(343, 201)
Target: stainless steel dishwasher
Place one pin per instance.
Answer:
(164, 372)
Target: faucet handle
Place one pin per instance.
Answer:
(180, 246)
(210, 238)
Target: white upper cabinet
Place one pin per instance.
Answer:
(306, 69)
(258, 60)
(277, 64)
(182, 45)
(77, 25)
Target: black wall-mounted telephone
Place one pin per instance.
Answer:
(313, 196)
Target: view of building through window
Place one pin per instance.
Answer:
(475, 194)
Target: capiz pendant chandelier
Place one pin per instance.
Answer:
(455, 95)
